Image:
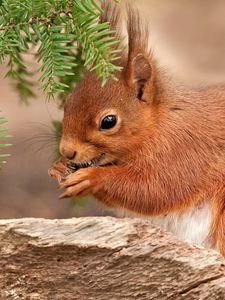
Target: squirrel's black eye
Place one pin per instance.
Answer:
(108, 122)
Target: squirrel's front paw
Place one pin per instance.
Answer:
(59, 170)
(81, 183)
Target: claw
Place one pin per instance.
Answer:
(64, 195)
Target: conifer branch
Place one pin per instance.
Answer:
(60, 29)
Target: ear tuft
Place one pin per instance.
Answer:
(110, 13)
(139, 70)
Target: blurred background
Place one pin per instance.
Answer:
(188, 39)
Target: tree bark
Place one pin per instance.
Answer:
(103, 258)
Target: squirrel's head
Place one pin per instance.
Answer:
(109, 124)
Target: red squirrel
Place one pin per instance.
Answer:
(147, 145)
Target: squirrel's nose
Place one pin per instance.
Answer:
(68, 153)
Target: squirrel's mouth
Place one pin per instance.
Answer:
(98, 161)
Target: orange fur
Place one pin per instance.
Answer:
(169, 148)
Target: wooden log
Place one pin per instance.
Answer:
(103, 258)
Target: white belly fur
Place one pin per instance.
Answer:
(193, 225)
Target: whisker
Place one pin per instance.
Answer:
(41, 125)
(41, 148)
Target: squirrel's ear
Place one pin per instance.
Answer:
(138, 74)
(138, 70)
